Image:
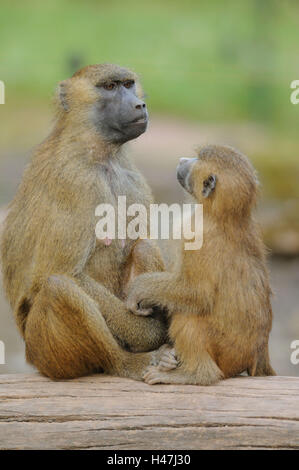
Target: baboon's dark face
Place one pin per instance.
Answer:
(107, 96)
(119, 115)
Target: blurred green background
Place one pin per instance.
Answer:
(207, 60)
(213, 71)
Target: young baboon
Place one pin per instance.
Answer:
(218, 297)
(64, 285)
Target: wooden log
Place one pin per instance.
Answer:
(102, 412)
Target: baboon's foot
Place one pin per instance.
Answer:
(158, 354)
(153, 375)
(168, 360)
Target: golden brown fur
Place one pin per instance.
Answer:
(64, 285)
(218, 297)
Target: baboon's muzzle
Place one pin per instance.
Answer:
(183, 172)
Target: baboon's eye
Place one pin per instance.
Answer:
(109, 86)
(129, 83)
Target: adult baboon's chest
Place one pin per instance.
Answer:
(122, 182)
(120, 187)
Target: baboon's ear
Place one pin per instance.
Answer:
(209, 185)
(62, 93)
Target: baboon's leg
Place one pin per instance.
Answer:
(66, 336)
(263, 366)
(207, 373)
(137, 333)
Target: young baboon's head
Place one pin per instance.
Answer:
(220, 178)
(107, 97)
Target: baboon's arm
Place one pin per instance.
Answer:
(166, 290)
(136, 333)
(66, 240)
(147, 257)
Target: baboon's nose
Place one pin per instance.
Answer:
(140, 106)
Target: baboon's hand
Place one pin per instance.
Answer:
(143, 312)
(138, 305)
(168, 360)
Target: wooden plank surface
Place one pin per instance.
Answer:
(102, 412)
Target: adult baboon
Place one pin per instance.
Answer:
(64, 285)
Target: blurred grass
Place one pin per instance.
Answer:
(211, 61)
